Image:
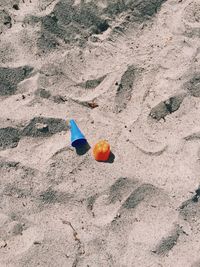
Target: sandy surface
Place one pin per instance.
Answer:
(128, 72)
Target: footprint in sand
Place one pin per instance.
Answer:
(132, 210)
(104, 206)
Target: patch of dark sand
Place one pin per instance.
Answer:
(190, 209)
(10, 77)
(73, 24)
(51, 196)
(119, 188)
(8, 164)
(9, 137)
(43, 127)
(167, 107)
(193, 85)
(7, 51)
(140, 194)
(167, 243)
(90, 84)
(76, 23)
(191, 18)
(5, 21)
(59, 99)
(91, 201)
(124, 88)
(43, 93)
(37, 127)
(141, 10)
(8, 3)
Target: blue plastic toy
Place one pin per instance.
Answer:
(77, 138)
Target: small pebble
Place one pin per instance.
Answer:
(3, 244)
(37, 243)
(42, 127)
(16, 7)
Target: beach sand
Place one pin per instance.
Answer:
(127, 72)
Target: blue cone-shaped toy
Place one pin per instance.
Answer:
(77, 138)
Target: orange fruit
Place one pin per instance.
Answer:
(101, 151)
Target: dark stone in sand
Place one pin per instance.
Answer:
(90, 84)
(16, 7)
(193, 85)
(9, 137)
(11, 77)
(140, 194)
(167, 107)
(52, 125)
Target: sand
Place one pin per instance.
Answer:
(127, 72)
